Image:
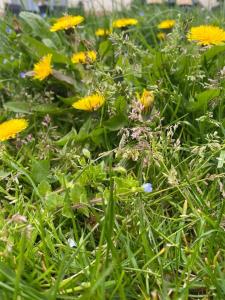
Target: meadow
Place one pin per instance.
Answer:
(112, 155)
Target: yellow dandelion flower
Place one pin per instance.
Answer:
(166, 24)
(207, 35)
(89, 103)
(146, 99)
(161, 36)
(43, 68)
(66, 22)
(102, 32)
(120, 23)
(9, 129)
(84, 57)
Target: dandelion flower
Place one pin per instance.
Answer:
(120, 23)
(84, 57)
(89, 103)
(146, 99)
(66, 22)
(161, 36)
(43, 68)
(9, 129)
(102, 32)
(167, 24)
(206, 35)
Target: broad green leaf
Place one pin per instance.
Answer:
(66, 212)
(53, 201)
(48, 109)
(17, 107)
(85, 128)
(38, 49)
(78, 194)
(213, 51)
(3, 174)
(44, 187)
(40, 170)
(121, 105)
(49, 43)
(123, 63)
(202, 100)
(34, 21)
(116, 122)
(62, 77)
(97, 136)
(125, 184)
(104, 47)
(38, 27)
(67, 138)
(69, 100)
(83, 133)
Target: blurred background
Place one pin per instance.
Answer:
(58, 7)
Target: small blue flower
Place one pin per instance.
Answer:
(141, 13)
(8, 30)
(147, 187)
(22, 75)
(71, 243)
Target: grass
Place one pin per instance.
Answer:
(75, 220)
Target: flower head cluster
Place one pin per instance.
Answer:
(84, 57)
(89, 103)
(146, 99)
(102, 32)
(9, 129)
(43, 68)
(166, 24)
(66, 22)
(120, 23)
(207, 35)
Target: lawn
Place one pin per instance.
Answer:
(112, 148)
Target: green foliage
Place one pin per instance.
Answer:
(40, 170)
